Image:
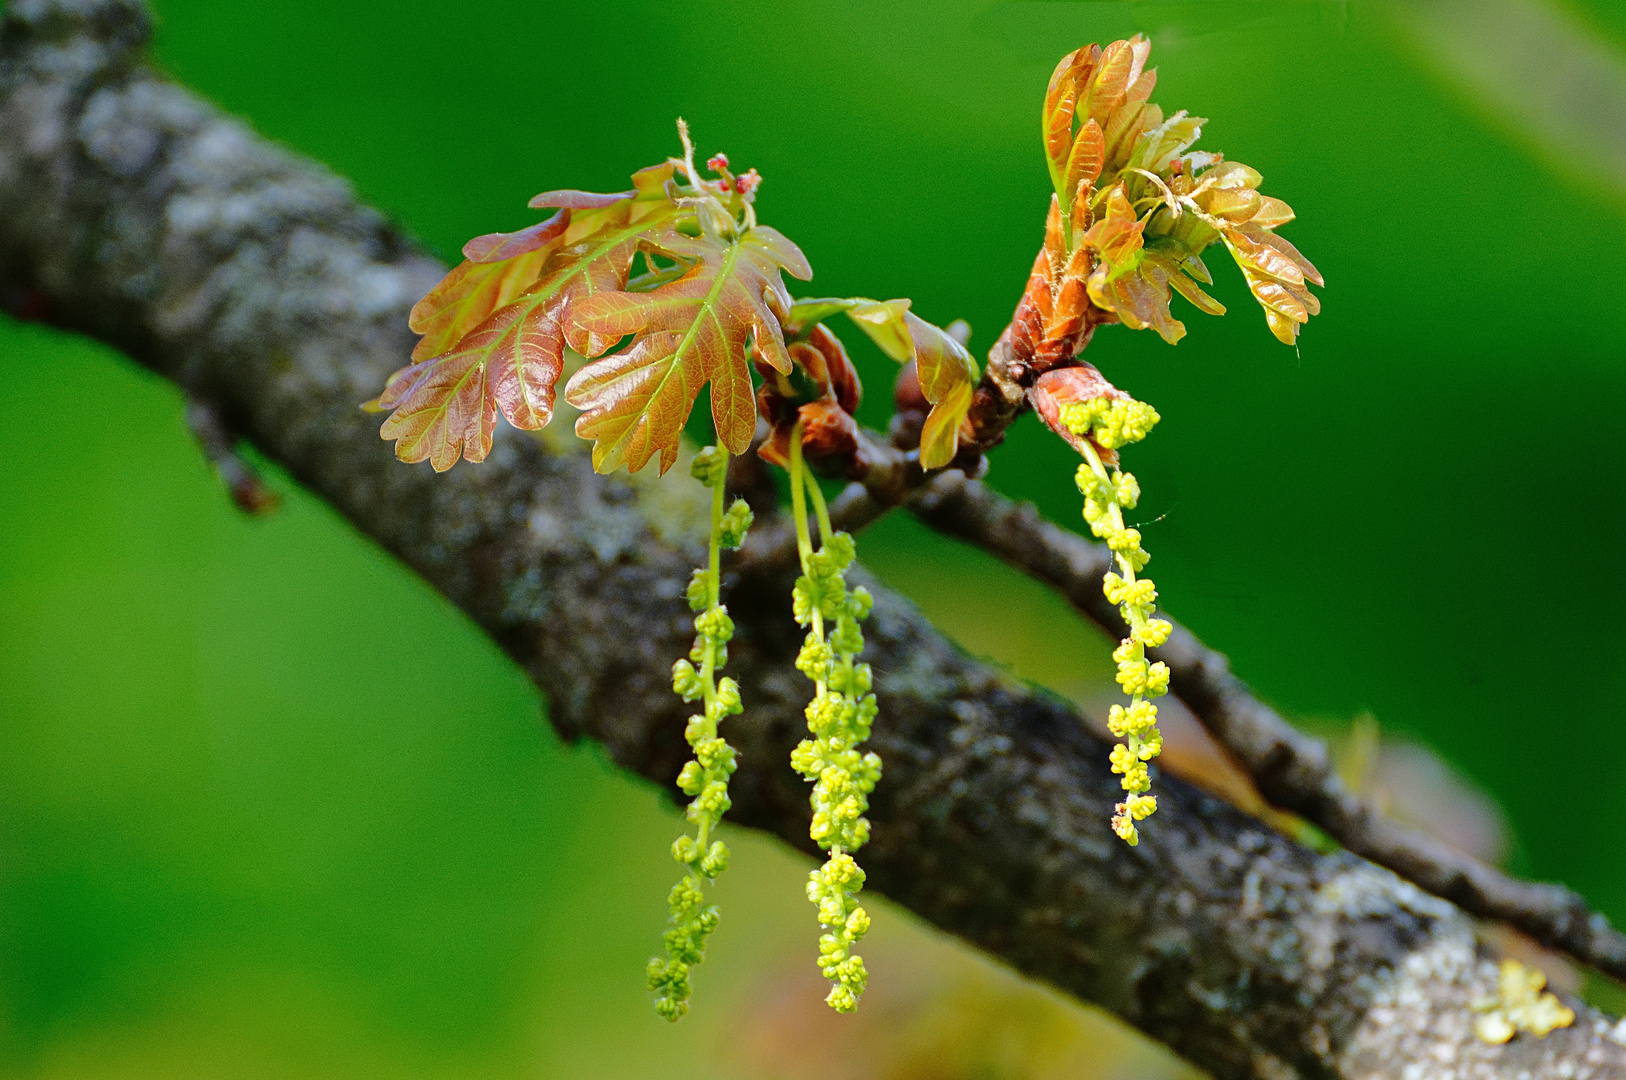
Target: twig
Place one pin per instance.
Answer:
(1291, 769)
(248, 491)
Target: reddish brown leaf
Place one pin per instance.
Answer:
(444, 414)
(467, 296)
(578, 200)
(495, 247)
(1117, 237)
(1128, 121)
(514, 357)
(1262, 235)
(1164, 204)
(1111, 79)
(1060, 100)
(1085, 161)
(825, 360)
(690, 332)
(828, 433)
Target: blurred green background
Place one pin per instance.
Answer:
(240, 837)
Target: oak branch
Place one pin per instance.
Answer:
(132, 211)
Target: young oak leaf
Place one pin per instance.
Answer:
(1104, 91)
(591, 211)
(1132, 280)
(496, 269)
(1222, 203)
(689, 332)
(948, 376)
(446, 407)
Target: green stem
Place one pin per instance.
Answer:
(715, 559)
(819, 506)
(800, 483)
(708, 666)
(798, 501)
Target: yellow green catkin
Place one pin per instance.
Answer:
(839, 719)
(705, 778)
(1112, 423)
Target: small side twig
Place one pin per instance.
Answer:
(1291, 769)
(249, 493)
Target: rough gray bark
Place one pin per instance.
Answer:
(133, 211)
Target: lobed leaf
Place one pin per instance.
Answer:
(497, 268)
(467, 296)
(446, 405)
(496, 247)
(690, 332)
(572, 199)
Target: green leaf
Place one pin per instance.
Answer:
(940, 435)
(689, 332)
(882, 320)
(942, 364)
(886, 323)
(805, 314)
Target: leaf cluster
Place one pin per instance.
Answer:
(498, 330)
(1134, 209)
